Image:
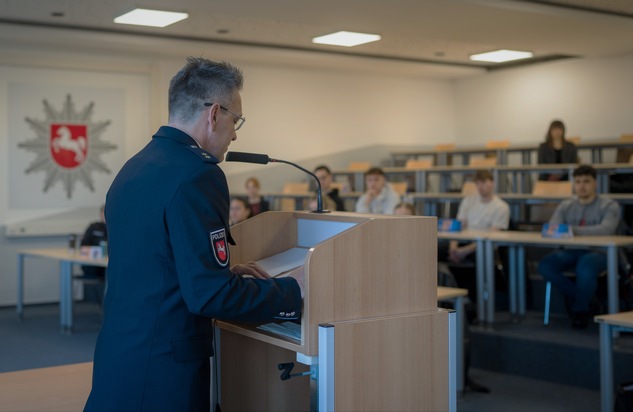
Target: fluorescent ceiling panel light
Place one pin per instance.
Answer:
(152, 18)
(500, 56)
(346, 38)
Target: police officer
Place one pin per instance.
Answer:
(169, 272)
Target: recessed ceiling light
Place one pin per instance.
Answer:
(152, 18)
(346, 38)
(500, 56)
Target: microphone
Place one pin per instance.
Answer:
(263, 159)
(242, 157)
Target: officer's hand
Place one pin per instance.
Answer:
(297, 274)
(250, 269)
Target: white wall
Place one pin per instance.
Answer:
(307, 111)
(593, 97)
(295, 112)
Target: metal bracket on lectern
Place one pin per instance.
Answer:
(286, 368)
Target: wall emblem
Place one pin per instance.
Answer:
(68, 146)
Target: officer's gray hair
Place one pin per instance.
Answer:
(202, 81)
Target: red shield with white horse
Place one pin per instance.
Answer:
(69, 144)
(219, 247)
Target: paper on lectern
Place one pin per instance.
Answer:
(282, 263)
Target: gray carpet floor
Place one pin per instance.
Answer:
(36, 342)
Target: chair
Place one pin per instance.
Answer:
(542, 213)
(418, 164)
(359, 166)
(447, 158)
(399, 187)
(498, 144)
(483, 162)
(443, 147)
(469, 188)
(293, 188)
(625, 154)
(548, 295)
(573, 139)
(544, 188)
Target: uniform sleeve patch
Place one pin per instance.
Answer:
(219, 247)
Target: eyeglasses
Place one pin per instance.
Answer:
(239, 120)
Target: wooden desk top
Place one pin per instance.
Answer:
(624, 319)
(463, 235)
(57, 388)
(62, 254)
(512, 236)
(627, 167)
(595, 143)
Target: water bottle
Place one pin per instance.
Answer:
(72, 244)
(104, 248)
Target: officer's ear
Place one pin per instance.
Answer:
(212, 116)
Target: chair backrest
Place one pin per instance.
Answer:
(399, 187)
(625, 154)
(543, 212)
(418, 164)
(498, 144)
(574, 139)
(359, 166)
(444, 146)
(483, 162)
(542, 187)
(469, 188)
(292, 188)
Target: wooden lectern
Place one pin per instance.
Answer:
(371, 333)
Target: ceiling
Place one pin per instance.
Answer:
(441, 33)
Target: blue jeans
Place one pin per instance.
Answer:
(586, 264)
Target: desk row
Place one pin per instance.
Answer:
(442, 154)
(515, 179)
(516, 242)
(433, 204)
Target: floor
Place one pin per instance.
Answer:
(36, 342)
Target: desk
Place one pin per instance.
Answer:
(457, 296)
(57, 388)
(516, 241)
(66, 261)
(596, 145)
(603, 170)
(608, 324)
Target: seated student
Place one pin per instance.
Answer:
(591, 215)
(482, 211)
(379, 197)
(404, 209)
(324, 174)
(556, 149)
(239, 210)
(257, 202)
(93, 236)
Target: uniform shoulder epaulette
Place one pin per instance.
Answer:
(202, 154)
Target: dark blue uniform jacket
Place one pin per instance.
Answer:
(168, 276)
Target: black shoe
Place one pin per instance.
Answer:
(595, 307)
(568, 304)
(580, 320)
